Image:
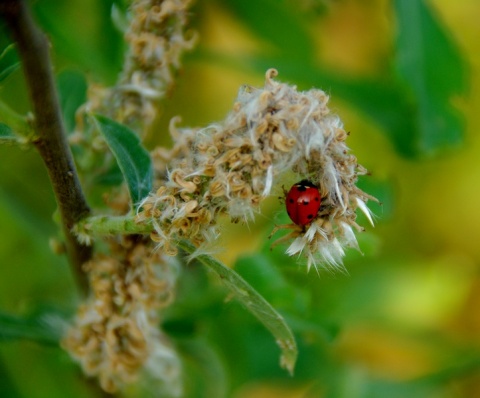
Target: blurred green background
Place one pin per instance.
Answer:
(404, 321)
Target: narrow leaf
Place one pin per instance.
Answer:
(432, 67)
(132, 158)
(255, 303)
(6, 132)
(14, 123)
(260, 272)
(41, 328)
(6, 135)
(6, 72)
(9, 62)
(111, 177)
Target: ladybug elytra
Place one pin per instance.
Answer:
(303, 202)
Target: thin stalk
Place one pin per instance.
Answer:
(90, 227)
(50, 140)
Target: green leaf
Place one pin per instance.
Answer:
(266, 277)
(7, 136)
(7, 71)
(255, 303)
(9, 62)
(432, 68)
(6, 132)
(13, 123)
(97, 47)
(259, 270)
(110, 178)
(44, 328)
(277, 22)
(72, 90)
(132, 158)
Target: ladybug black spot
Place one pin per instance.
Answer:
(291, 200)
(305, 202)
(310, 216)
(316, 199)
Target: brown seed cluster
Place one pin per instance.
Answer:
(230, 167)
(115, 333)
(156, 40)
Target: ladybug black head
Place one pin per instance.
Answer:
(304, 184)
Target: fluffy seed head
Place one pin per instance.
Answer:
(230, 167)
(115, 334)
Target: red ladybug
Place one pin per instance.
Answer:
(303, 202)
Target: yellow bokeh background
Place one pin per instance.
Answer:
(432, 234)
(420, 269)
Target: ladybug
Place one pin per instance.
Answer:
(303, 202)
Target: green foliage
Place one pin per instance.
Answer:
(83, 34)
(13, 123)
(433, 70)
(269, 20)
(132, 158)
(72, 90)
(414, 109)
(42, 327)
(5, 131)
(9, 62)
(6, 134)
(366, 334)
(263, 272)
(255, 303)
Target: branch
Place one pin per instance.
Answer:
(51, 140)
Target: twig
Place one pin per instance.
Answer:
(33, 48)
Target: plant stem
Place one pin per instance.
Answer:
(51, 142)
(111, 225)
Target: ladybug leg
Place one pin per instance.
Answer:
(293, 234)
(283, 226)
(285, 192)
(323, 212)
(285, 238)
